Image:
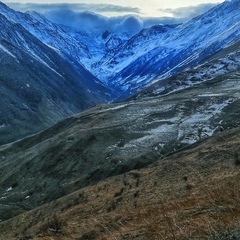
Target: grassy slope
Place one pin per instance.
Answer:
(193, 194)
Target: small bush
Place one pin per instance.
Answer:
(53, 226)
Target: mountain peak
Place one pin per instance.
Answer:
(4, 7)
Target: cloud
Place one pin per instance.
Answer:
(130, 24)
(81, 21)
(187, 13)
(77, 7)
(88, 17)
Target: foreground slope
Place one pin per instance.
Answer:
(128, 135)
(192, 194)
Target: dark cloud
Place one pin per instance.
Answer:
(130, 24)
(88, 18)
(187, 13)
(81, 21)
(78, 7)
(80, 18)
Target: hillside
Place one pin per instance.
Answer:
(128, 135)
(38, 86)
(192, 194)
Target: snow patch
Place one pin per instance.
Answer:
(6, 51)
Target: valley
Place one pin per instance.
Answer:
(120, 137)
(128, 135)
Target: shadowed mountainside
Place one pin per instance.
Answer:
(38, 87)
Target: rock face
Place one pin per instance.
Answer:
(111, 139)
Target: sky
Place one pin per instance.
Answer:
(144, 8)
(119, 15)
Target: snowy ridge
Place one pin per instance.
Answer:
(6, 51)
(49, 33)
(224, 62)
(98, 45)
(152, 55)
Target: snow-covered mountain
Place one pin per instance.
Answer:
(128, 65)
(77, 48)
(38, 86)
(129, 135)
(224, 62)
(41, 83)
(161, 51)
(98, 45)
(48, 32)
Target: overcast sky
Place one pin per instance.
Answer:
(144, 8)
(115, 15)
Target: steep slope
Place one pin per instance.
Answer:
(225, 61)
(48, 32)
(128, 135)
(98, 45)
(68, 47)
(160, 52)
(38, 87)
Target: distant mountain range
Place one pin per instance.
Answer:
(161, 51)
(127, 65)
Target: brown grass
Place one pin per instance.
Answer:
(190, 195)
